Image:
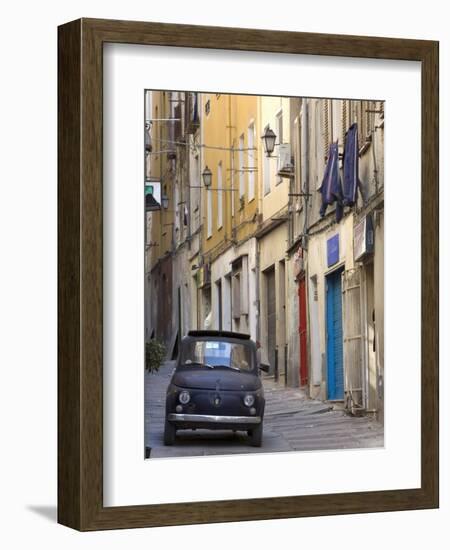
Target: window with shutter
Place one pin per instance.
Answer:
(326, 128)
(219, 196)
(233, 196)
(359, 119)
(366, 114)
(333, 120)
(251, 161)
(266, 170)
(171, 133)
(178, 127)
(209, 212)
(330, 125)
(244, 287)
(364, 124)
(236, 295)
(344, 120)
(297, 154)
(319, 149)
(279, 133)
(241, 166)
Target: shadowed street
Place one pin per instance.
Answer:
(292, 422)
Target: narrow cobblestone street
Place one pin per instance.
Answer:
(292, 422)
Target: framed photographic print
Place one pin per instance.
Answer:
(248, 274)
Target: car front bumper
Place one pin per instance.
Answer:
(217, 419)
(213, 421)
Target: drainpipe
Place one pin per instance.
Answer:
(305, 164)
(201, 197)
(261, 154)
(229, 203)
(257, 291)
(187, 174)
(305, 190)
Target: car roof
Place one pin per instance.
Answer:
(219, 334)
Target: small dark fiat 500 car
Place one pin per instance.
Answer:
(216, 386)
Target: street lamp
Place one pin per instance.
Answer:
(269, 137)
(207, 177)
(165, 202)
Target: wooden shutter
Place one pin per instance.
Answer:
(326, 128)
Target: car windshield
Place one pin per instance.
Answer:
(216, 353)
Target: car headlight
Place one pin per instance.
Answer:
(184, 397)
(249, 400)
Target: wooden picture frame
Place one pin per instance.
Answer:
(80, 272)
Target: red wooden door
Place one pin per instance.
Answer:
(302, 331)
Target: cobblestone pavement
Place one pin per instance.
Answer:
(292, 422)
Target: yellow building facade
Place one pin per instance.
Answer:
(231, 147)
(159, 171)
(235, 277)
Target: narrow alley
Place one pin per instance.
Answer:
(292, 422)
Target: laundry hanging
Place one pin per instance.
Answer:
(331, 188)
(351, 166)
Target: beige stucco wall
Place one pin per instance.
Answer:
(272, 253)
(317, 267)
(379, 310)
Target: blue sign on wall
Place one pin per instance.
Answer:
(333, 250)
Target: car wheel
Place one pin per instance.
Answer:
(256, 435)
(169, 433)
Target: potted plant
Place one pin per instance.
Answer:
(155, 352)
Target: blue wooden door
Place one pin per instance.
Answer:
(335, 365)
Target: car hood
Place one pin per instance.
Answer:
(216, 379)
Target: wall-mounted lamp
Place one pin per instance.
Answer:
(269, 137)
(207, 177)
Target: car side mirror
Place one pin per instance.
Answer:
(264, 367)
